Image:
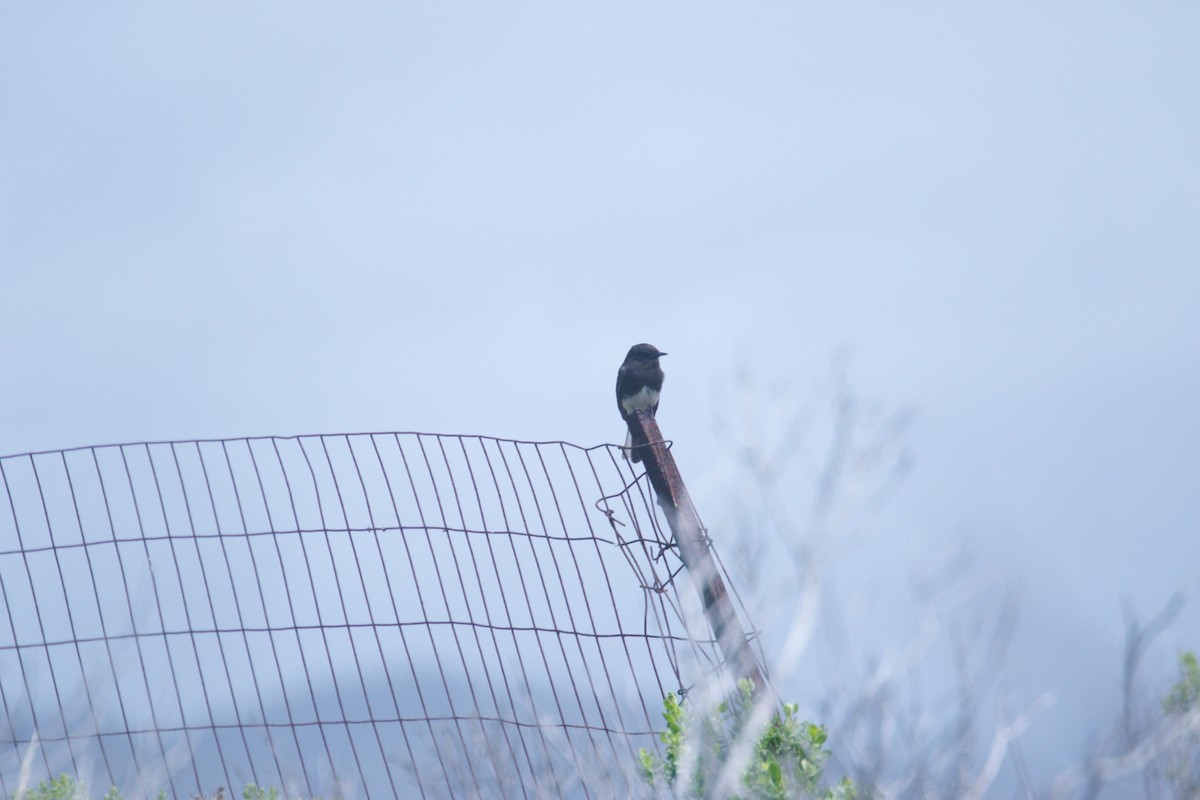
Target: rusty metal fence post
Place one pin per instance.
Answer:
(694, 548)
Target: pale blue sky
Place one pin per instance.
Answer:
(218, 220)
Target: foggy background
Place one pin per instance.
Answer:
(220, 221)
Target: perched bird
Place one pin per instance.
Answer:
(639, 381)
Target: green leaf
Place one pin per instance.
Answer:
(775, 773)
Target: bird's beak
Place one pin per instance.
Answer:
(660, 355)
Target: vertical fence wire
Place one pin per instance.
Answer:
(381, 614)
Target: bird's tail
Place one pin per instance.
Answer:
(628, 451)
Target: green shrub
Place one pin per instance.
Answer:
(786, 760)
(1182, 757)
(1185, 694)
(60, 788)
(64, 788)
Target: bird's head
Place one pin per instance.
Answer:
(643, 352)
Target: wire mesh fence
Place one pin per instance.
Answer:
(385, 614)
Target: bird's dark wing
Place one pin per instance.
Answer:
(621, 374)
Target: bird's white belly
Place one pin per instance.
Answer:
(644, 398)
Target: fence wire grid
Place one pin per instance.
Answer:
(379, 614)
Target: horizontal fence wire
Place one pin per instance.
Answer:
(382, 614)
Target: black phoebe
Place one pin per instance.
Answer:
(639, 381)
